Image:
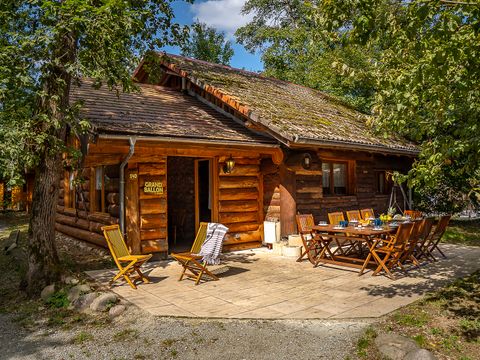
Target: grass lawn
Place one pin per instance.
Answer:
(463, 232)
(446, 322)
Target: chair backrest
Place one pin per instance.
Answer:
(305, 223)
(441, 227)
(115, 241)
(414, 214)
(335, 217)
(353, 215)
(200, 238)
(403, 234)
(367, 213)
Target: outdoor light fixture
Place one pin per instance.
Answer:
(229, 165)
(307, 161)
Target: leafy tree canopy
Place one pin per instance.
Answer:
(421, 59)
(293, 49)
(205, 43)
(45, 46)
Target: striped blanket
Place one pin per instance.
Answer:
(212, 246)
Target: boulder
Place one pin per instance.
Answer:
(117, 310)
(84, 301)
(70, 280)
(102, 302)
(394, 346)
(47, 292)
(75, 292)
(420, 354)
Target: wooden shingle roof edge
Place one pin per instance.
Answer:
(155, 111)
(354, 135)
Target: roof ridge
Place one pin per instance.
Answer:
(328, 96)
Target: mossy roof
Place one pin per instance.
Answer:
(295, 113)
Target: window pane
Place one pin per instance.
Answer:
(340, 179)
(98, 188)
(381, 182)
(326, 178)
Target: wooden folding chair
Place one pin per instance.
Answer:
(353, 215)
(367, 214)
(415, 235)
(334, 219)
(314, 245)
(392, 250)
(127, 263)
(427, 226)
(413, 214)
(192, 266)
(432, 242)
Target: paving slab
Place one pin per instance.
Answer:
(261, 285)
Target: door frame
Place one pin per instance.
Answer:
(214, 191)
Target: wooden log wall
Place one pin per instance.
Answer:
(271, 190)
(240, 207)
(80, 222)
(153, 208)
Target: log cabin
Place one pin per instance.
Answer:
(207, 142)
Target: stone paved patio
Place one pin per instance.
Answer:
(260, 285)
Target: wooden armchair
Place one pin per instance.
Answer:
(367, 213)
(420, 250)
(435, 237)
(353, 215)
(391, 250)
(314, 245)
(413, 214)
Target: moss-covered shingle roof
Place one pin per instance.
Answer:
(295, 113)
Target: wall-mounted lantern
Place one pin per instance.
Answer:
(229, 165)
(306, 161)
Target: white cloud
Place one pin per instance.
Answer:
(224, 15)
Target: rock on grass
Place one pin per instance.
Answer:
(102, 302)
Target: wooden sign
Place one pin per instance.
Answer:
(153, 187)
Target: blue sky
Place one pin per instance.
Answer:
(224, 15)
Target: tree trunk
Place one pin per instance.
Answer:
(43, 262)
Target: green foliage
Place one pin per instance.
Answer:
(365, 342)
(45, 46)
(412, 64)
(294, 50)
(58, 299)
(82, 337)
(205, 43)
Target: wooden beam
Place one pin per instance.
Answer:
(132, 218)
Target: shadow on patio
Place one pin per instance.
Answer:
(258, 284)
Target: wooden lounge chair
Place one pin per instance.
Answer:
(392, 250)
(353, 215)
(127, 263)
(192, 265)
(314, 245)
(367, 213)
(432, 242)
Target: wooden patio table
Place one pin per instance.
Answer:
(365, 234)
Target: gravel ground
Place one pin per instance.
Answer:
(138, 335)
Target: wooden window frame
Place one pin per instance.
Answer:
(387, 185)
(93, 191)
(349, 174)
(69, 196)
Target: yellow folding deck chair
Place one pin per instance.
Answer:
(192, 266)
(121, 255)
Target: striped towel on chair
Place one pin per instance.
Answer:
(212, 246)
